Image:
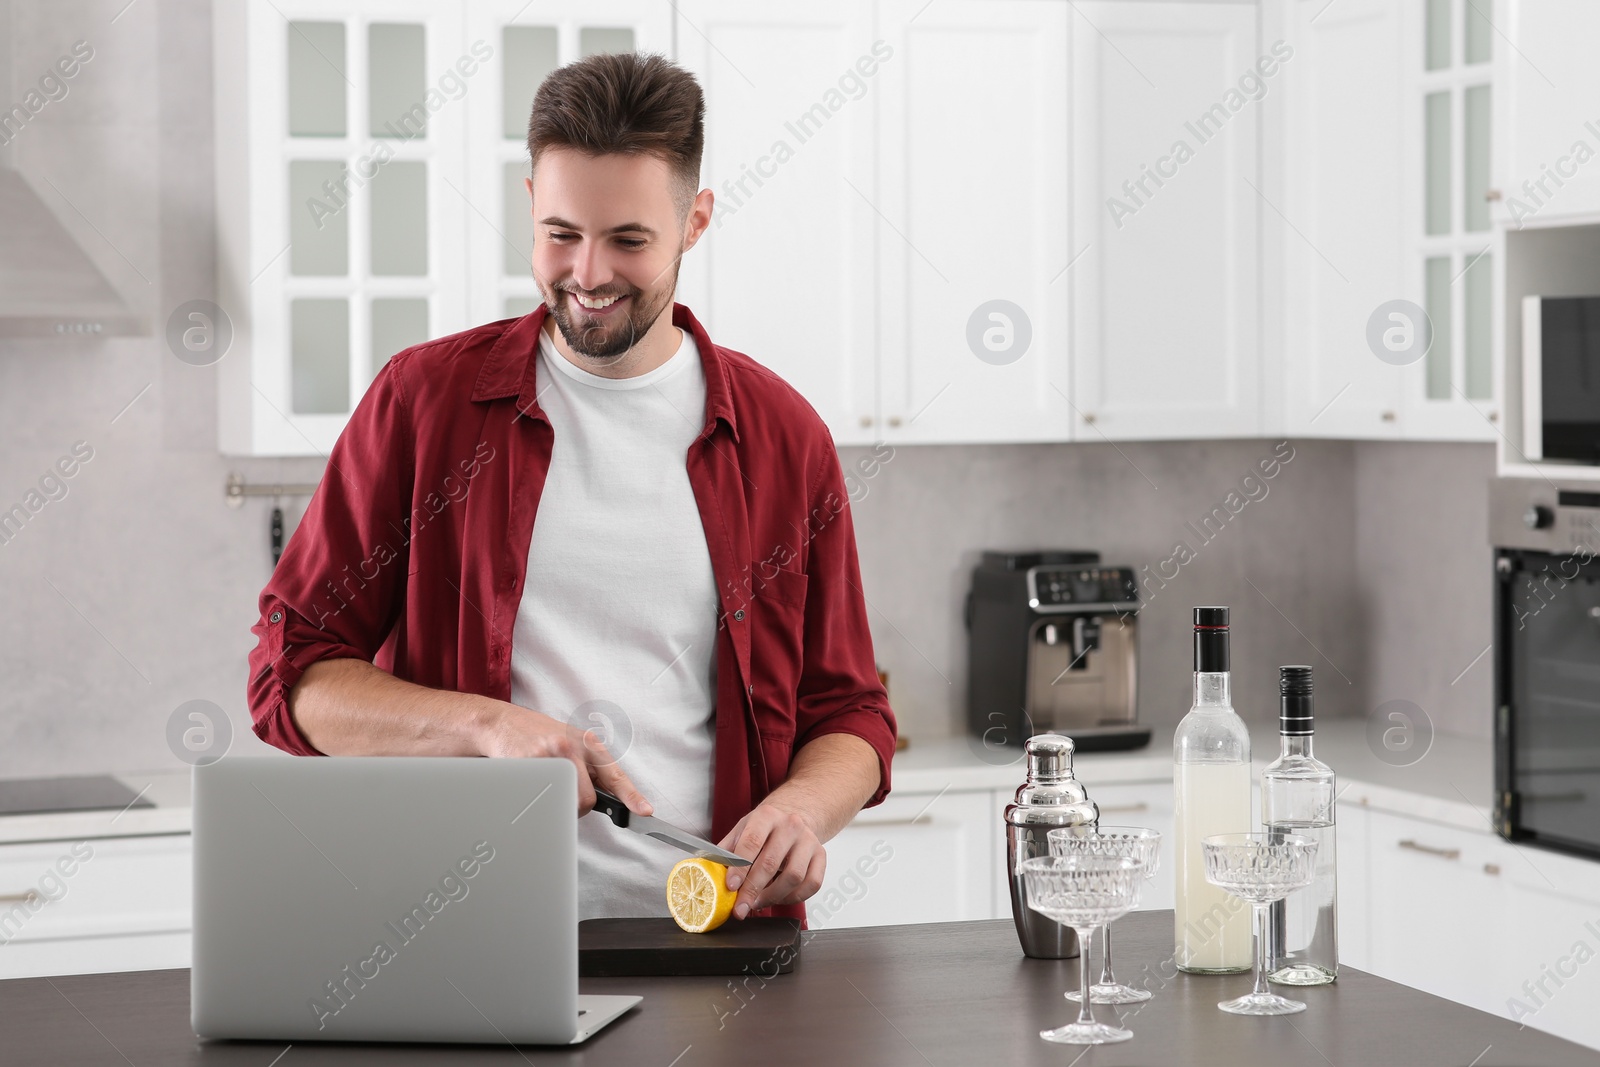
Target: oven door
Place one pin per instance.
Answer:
(1547, 699)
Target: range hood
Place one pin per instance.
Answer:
(49, 287)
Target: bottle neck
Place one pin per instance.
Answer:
(1298, 745)
(1211, 689)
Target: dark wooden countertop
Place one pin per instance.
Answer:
(947, 994)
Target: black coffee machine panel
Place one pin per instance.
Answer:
(1052, 640)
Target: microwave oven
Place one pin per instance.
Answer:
(1561, 378)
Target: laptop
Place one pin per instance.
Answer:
(389, 899)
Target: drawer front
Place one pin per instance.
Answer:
(914, 858)
(100, 887)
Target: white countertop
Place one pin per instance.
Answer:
(1452, 784)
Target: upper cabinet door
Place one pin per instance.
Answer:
(526, 40)
(1342, 231)
(1450, 264)
(784, 273)
(1166, 197)
(971, 220)
(1547, 70)
(339, 152)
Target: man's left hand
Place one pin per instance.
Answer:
(787, 859)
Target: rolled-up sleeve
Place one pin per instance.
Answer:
(839, 688)
(340, 584)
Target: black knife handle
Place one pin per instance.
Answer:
(610, 806)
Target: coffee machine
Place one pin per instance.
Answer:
(1053, 645)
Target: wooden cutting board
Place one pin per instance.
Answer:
(627, 948)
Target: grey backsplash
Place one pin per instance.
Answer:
(135, 591)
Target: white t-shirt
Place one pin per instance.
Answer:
(616, 630)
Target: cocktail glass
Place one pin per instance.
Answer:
(1136, 842)
(1084, 892)
(1260, 869)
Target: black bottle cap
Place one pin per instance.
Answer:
(1211, 640)
(1294, 703)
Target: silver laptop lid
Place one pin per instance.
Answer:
(386, 899)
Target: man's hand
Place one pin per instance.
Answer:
(510, 730)
(787, 859)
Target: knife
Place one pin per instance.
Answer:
(651, 826)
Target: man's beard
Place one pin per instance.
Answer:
(606, 339)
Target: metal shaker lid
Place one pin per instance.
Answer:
(1052, 795)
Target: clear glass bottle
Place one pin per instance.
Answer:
(1211, 795)
(1297, 794)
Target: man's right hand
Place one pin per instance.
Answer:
(510, 730)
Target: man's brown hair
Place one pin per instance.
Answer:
(625, 103)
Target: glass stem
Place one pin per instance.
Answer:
(1106, 977)
(1261, 951)
(1085, 994)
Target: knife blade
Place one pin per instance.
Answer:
(650, 826)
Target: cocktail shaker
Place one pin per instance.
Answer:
(1051, 798)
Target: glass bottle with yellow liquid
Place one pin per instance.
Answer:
(1211, 795)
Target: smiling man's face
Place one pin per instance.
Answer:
(607, 238)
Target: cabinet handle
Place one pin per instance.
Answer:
(1494, 416)
(866, 420)
(1491, 868)
(1447, 853)
(19, 898)
(1088, 416)
(894, 421)
(1388, 416)
(912, 820)
(1491, 195)
(1118, 808)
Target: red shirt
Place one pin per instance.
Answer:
(413, 550)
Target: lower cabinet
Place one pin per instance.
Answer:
(915, 858)
(101, 904)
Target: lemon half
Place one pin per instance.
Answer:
(698, 895)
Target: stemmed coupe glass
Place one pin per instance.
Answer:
(1084, 892)
(1135, 842)
(1261, 869)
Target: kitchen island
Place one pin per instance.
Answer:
(937, 994)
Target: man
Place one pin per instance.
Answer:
(594, 515)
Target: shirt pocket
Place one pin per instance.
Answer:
(777, 651)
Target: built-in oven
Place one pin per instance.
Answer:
(1547, 662)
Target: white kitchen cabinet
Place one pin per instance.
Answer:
(102, 904)
(339, 161)
(972, 228)
(1165, 214)
(914, 858)
(1438, 908)
(1547, 82)
(1341, 237)
(786, 271)
(1551, 980)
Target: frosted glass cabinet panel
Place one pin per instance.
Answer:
(319, 230)
(316, 79)
(528, 54)
(397, 323)
(604, 40)
(320, 356)
(399, 220)
(396, 87)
